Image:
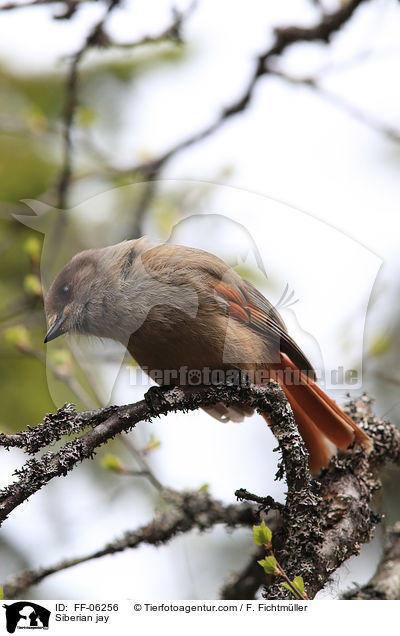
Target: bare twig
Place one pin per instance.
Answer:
(94, 38)
(145, 469)
(266, 503)
(284, 38)
(340, 102)
(246, 583)
(68, 379)
(97, 37)
(172, 33)
(70, 6)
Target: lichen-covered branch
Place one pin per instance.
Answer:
(107, 422)
(322, 531)
(323, 521)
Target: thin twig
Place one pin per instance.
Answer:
(68, 379)
(284, 38)
(247, 582)
(340, 102)
(94, 38)
(141, 460)
(265, 502)
(71, 5)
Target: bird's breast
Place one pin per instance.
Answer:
(208, 341)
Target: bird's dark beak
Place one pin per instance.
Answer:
(56, 328)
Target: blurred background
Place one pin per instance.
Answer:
(119, 119)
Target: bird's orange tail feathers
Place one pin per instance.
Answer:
(318, 417)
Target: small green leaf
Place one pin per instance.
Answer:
(262, 535)
(204, 488)
(32, 285)
(32, 247)
(36, 119)
(111, 462)
(62, 359)
(269, 564)
(164, 212)
(295, 594)
(299, 584)
(380, 345)
(85, 116)
(153, 443)
(19, 337)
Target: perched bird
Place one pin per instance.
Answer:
(180, 310)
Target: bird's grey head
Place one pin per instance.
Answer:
(85, 296)
(111, 291)
(73, 300)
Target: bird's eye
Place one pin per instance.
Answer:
(65, 289)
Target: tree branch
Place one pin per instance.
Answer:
(324, 521)
(385, 584)
(284, 38)
(97, 37)
(323, 530)
(246, 583)
(107, 422)
(70, 6)
(94, 38)
(389, 131)
(193, 509)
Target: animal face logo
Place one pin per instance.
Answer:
(26, 615)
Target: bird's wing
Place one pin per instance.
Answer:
(247, 305)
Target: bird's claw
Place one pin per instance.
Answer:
(240, 379)
(154, 397)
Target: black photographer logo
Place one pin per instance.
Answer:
(26, 615)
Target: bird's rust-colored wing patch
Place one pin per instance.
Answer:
(256, 312)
